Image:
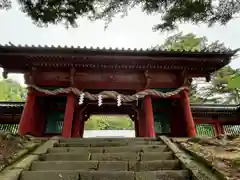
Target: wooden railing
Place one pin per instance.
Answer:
(209, 129)
(205, 130)
(232, 129)
(12, 128)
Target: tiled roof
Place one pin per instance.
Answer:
(8, 47)
(214, 107)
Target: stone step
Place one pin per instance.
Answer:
(107, 165)
(107, 159)
(124, 156)
(84, 143)
(137, 148)
(107, 139)
(105, 175)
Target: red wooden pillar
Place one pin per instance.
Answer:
(190, 125)
(68, 116)
(219, 128)
(149, 119)
(78, 124)
(27, 124)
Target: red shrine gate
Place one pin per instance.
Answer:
(152, 86)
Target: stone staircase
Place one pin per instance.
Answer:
(107, 159)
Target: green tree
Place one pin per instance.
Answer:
(12, 91)
(189, 42)
(105, 122)
(222, 88)
(170, 11)
(234, 81)
(195, 96)
(184, 42)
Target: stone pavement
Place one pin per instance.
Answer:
(105, 159)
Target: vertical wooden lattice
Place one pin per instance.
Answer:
(204, 130)
(12, 128)
(232, 129)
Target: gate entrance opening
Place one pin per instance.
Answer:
(105, 125)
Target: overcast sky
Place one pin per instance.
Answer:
(133, 31)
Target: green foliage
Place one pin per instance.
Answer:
(204, 130)
(12, 91)
(194, 94)
(184, 42)
(5, 4)
(189, 42)
(234, 81)
(170, 11)
(111, 122)
(225, 84)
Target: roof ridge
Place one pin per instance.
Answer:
(123, 49)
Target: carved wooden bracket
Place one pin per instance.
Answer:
(208, 78)
(29, 76)
(186, 80)
(147, 78)
(5, 74)
(86, 116)
(72, 76)
(112, 78)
